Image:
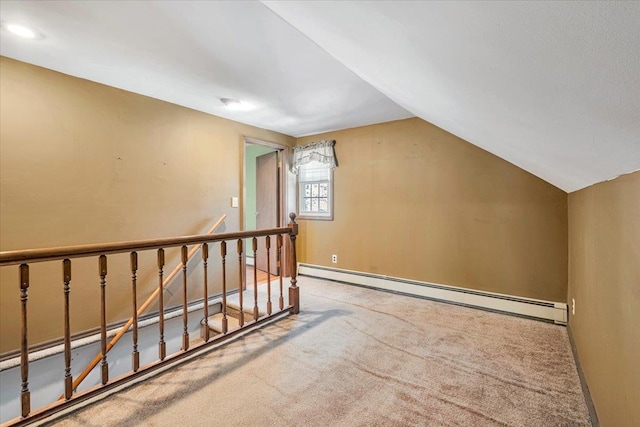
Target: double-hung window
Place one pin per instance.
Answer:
(314, 164)
(315, 191)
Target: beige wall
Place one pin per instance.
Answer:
(414, 201)
(604, 280)
(87, 163)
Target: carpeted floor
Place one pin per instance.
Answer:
(359, 357)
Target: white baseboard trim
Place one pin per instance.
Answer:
(250, 260)
(527, 307)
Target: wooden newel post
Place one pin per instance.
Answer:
(294, 291)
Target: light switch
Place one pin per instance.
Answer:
(234, 202)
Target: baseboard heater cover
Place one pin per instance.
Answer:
(528, 307)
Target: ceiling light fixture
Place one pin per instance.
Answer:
(21, 30)
(236, 105)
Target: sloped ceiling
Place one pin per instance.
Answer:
(552, 87)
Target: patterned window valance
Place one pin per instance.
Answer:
(322, 152)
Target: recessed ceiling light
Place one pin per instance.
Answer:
(236, 105)
(21, 30)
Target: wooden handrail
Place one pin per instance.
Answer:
(50, 254)
(65, 254)
(143, 307)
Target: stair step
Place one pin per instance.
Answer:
(233, 304)
(195, 342)
(248, 308)
(233, 310)
(215, 323)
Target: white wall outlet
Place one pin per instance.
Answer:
(234, 202)
(334, 259)
(573, 306)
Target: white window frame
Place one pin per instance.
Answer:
(302, 214)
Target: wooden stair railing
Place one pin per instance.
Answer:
(133, 320)
(64, 254)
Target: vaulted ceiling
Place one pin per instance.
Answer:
(552, 87)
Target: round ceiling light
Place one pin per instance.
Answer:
(21, 30)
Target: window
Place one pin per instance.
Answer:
(314, 164)
(315, 191)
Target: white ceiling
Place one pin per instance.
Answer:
(552, 87)
(193, 53)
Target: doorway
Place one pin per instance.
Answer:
(263, 199)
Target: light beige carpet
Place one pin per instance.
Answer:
(359, 357)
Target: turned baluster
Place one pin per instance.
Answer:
(135, 355)
(68, 379)
(185, 320)
(25, 394)
(256, 312)
(205, 257)
(223, 254)
(268, 247)
(241, 282)
(162, 346)
(280, 269)
(104, 367)
(294, 291)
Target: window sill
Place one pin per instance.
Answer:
(315, 217)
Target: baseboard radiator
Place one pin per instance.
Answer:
(526, 307)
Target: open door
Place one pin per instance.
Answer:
(267, 206)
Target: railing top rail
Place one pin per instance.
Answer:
(58, 253)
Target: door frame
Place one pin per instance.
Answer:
(284, 162)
